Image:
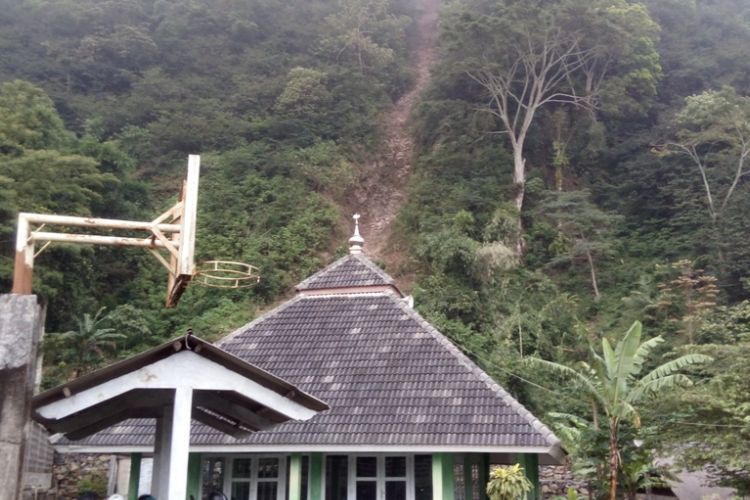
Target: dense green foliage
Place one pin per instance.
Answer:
(508, 483)
(615, 386)
(102, 101)
(616, 219)
(634, 193)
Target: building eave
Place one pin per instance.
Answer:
(548, 455)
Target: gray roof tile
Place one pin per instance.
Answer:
(349, 271)
(389, 377)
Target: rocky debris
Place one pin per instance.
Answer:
(381, 188)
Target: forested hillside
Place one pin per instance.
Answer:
(581, 165)
(102, 101)
(577, 165)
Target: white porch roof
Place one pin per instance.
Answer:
(175, 382)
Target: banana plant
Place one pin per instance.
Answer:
(613, 381)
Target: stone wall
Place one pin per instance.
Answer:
(556, 479)
(72, 472)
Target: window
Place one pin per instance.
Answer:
(256, 478)
(305, 476)
(423, 477)
(336, 476)
(212, 472)
(395, 478)
(367, 478)
(458, 481)
(378, 477)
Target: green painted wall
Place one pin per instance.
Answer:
(530, 464)
(443, 487)
(135, 475)
(194, 477)
(316, 476)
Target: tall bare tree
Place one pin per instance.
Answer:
(526, 56)
(713, 131)
(540, 70)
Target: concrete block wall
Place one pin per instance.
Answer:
(21, 328)
(37, 469)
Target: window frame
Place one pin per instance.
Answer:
(280, 480)
(379, 479)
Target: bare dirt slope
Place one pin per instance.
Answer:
(381, 188)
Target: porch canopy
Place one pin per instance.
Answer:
(180, 380)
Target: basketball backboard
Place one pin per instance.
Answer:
(182, 263)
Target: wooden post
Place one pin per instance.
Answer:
(135, 475)
(316, 476)
(295, 477)
(24, 264)
(163, 429)
(189, 214)
(172, 448)
(443, 487)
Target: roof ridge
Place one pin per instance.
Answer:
(376, 275)
(537, 424)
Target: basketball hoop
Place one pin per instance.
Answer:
(226, 274)
(170, 238)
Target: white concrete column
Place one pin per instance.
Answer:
(173, 468)
(161, 450)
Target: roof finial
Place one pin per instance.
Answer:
(357, 241)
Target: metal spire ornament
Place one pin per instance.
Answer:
(356, 242)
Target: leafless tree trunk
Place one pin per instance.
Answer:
(594, 283)
(739, 171)
(541, 71)
(716, 213)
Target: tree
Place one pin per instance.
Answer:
(583, 230)
(713, 131)
(356, 33)
(89, 342)
(713, 417)
(612, 382)
(28, 119)
(688, 297)
(305, 93)
(525, 57)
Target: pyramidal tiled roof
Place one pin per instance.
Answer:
(354, 270)
(390, 378)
